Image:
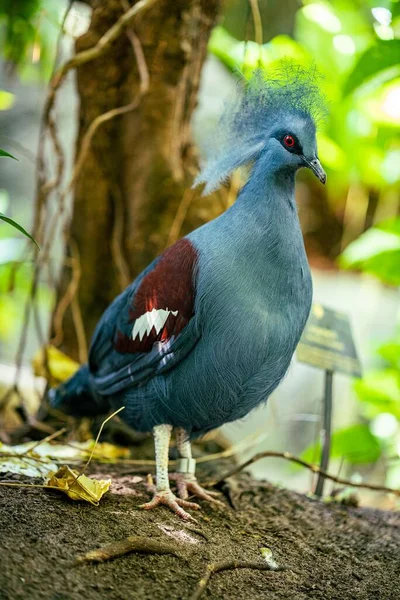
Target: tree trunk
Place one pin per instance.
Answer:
(135, 184)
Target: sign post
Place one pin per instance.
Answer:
(327, 343)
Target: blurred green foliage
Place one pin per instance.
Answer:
(28, 35)
(8, 220)
(4, 153)
(377, 252)
(359, 143)
(356, 444)
(14, 280)
(356, 47)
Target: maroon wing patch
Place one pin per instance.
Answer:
(164, 302)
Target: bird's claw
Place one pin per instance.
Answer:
(188, 485)
(177, 505)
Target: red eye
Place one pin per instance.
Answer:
(288, 140)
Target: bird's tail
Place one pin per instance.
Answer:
(76, 396)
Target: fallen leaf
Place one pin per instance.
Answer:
(60, 366)
(16, 459)
(79, 487)
(105, 450)
(75, 451)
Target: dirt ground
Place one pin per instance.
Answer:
(330, 551)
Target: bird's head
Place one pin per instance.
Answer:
(291, 144)
(273, 120)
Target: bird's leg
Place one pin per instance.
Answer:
(163, 494)
(185, 473)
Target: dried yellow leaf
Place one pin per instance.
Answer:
(79, 487)
(108, 451)
(60, 366)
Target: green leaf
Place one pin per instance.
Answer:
(19, 227)
(377, 251)
(391, 353)
(381, 391)
(7, 100)
(330, 153)
(246, 56)
(372, 243)
(4, 153)
(391, 226)
(356, 444)
(379, 57)
(385, 266)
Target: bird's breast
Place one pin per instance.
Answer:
(257, 316)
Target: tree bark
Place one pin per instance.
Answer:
(140, 166)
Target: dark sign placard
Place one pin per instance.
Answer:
(327, 342)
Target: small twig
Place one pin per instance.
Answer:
(303, 463)
(229, 565)
(77, 318)
(52, 437)
(245, 444)
(80, 330)
(55, 182)
(102, 46)
(132, 543)
(180, 216)
(258, 28)
(65, 301)
(49, 438)
(98, 437)
(114, 112)
(40, 166)
(24, 456)
(70, 297)
(44, 187)
(29, 485)
(248, 442)
(88, 137)
(27, 455)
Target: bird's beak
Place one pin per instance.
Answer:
(316, 168)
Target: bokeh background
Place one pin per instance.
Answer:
(351, 226)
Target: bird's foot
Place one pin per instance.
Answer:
(187, 484)
(177, 505)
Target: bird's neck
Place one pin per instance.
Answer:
(265, 213)
(268, 183)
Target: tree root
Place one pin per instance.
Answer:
(229, 565)
(147, 545)
(132, 543)
(303, 463)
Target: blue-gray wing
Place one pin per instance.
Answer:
(149, 328)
